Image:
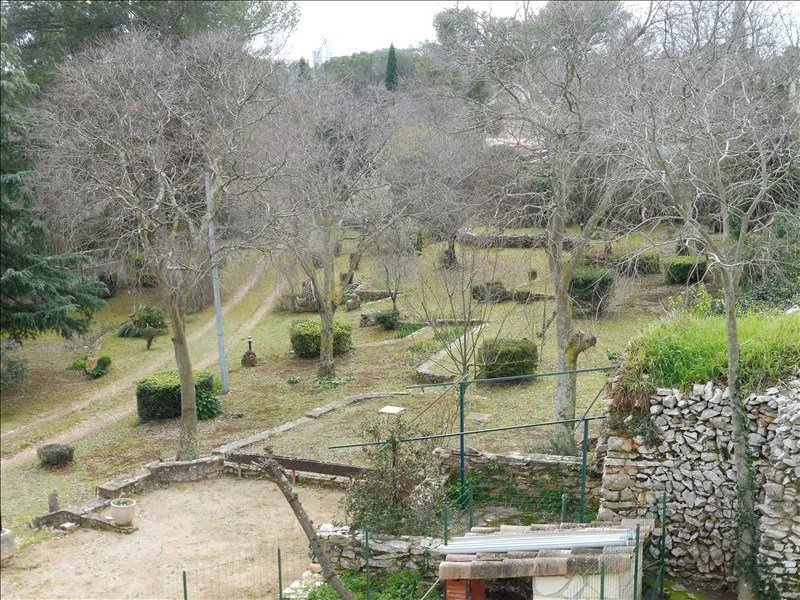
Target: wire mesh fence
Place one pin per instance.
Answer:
(261, 573)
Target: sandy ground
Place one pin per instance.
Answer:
(226, 532)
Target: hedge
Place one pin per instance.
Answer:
(685, 269)
(507, 358)
(590, 287)
(159, 396)
(305, 336)
(641, 264)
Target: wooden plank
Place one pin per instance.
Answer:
(300, 464)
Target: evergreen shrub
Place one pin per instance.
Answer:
(305, 336)
(159, 396)
(507, 358)
(591, 287)
(388, 319)
(638, 265)
(55, 455)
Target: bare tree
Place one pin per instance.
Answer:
(333, 141)
(396, 251)
(124, 138)
(711, 120)
(273, 469)
(545, 72)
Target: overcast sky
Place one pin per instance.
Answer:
(342, 28)
(348, 27)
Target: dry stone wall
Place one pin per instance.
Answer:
(347, 550)
(531, 473)
(692, 463)
(780, 510)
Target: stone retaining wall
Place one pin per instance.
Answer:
(780, 510)
(386, 554)
(529, 473)
(692, 462)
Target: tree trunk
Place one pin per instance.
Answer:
(565, 384)
(326, 310)
(188, 442)
(745, 513)
(274, 470)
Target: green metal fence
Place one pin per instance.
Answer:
(262, 573)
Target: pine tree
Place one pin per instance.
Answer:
(391, 70)
(303, 69)
(40, 291)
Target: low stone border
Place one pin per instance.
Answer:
(156, 473)
(314, 413)
(425, 370)
(411, 336)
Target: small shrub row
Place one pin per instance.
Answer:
(507, 358)
(685, 269)
(55, 455)
(305, 336)
(159, 396)
(591, 287)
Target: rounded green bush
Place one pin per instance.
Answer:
(305, 336)
(491, 291)
(55, 455)
(159, 396)
(591, 287)
(388, 319)
(507, 358)
(685, 269)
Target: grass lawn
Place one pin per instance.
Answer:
(263, 397)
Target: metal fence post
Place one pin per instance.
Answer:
(280, 576)
(463, 447)
(185, 586)
(602, 582)
(471, 505)
(445, 523)
(366, 559)
(636, 566)
(584, 457)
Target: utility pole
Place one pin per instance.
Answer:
(212, 246)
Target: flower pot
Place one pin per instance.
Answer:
(8, 546)
(122, 510)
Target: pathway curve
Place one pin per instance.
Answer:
(126, 384)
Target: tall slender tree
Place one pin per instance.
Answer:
(391, 70)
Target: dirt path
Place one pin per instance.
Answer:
(127, 383)
(193, 526)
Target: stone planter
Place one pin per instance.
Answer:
(8, 546)
(122, 511)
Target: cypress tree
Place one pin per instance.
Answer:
(391, 70)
